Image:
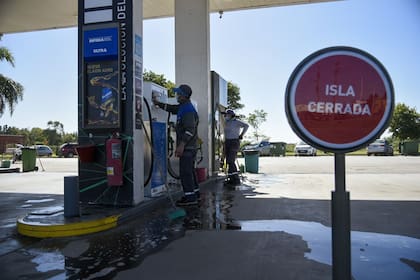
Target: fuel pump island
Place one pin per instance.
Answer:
(125, 157)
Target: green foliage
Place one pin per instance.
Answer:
(37, 136)
(54, 132)
(70, 137)
(405, 123)
(11, 92)
(150, 76)
(234, 97)
(54, 135)
(255, 120)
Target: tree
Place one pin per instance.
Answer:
(37, 136)
(69, 137)
(54, 133)
(150, 76)
(57, 126)
(10, 91)
(405, 123)
(234, 97)
(255, 119)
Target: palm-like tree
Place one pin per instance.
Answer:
(10, 91)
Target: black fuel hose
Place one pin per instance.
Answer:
(149, 140)
(170, 150)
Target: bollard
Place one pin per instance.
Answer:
(71, 196)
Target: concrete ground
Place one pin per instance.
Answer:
(285, 217)
(276, 225)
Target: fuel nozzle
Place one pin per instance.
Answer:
(156, 97)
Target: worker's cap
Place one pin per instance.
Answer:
(229, 112)
(183, 90)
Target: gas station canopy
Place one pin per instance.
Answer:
(31, 15)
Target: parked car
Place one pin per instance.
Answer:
(303, 149)
(264, 148)
(380, 147)
(67, 150)
(43, 150)
(17, 152)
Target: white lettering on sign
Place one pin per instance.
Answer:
(336, 107)
(123, 59)
(100, 39)
(339, 108)
(121, 9)
(335, 90)
(100, 50)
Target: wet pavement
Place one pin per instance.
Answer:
(104, 254)
(258, 230)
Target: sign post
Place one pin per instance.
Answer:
(339, 99)
(340, 213)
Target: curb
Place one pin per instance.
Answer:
(41, 227)
(9, 170)
(43, 230)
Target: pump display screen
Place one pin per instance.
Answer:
(102, 104)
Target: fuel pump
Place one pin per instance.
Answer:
(114, 166)
(219, 103)
(155, 128)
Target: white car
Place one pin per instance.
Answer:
(43, 150)
(17, 152)
(303, 149)
(380, 147)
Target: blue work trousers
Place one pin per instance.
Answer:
(187, 171)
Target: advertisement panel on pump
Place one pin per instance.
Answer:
(102, 98)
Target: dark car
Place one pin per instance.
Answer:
(67, 150)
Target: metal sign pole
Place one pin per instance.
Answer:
(340, 207)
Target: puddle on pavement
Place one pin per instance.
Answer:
(47, 261)
(11, 225)
(39, 200)
(213, 214)
(374, 255)
(102, 255)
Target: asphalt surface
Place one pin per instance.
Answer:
(276, 225)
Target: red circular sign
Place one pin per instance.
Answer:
(339, 99)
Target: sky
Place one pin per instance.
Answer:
(255, 49)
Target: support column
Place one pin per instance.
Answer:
(137, 102)
(192, 62)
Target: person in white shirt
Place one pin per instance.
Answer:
(235, 130)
